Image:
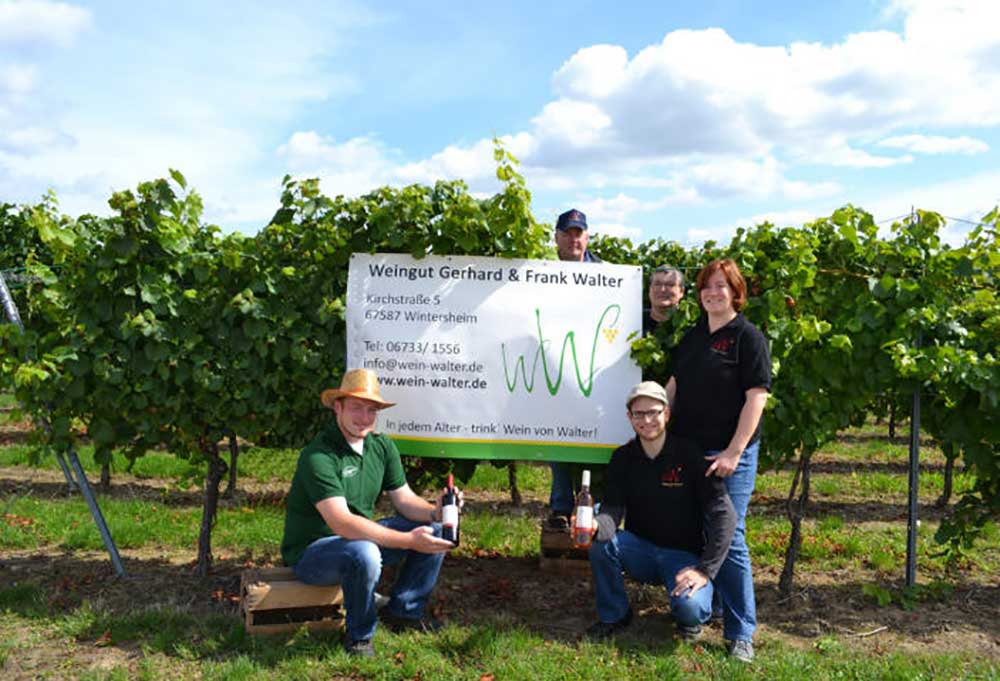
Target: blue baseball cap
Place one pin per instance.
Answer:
(570, 219)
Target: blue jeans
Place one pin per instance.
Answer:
(561, 496)
(647, 563)
(734, 583)
(356, 564)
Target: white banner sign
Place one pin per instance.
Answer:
(493, 358)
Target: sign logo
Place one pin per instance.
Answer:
(350, 471)
(553, 382)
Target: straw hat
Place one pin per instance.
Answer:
(360, 383)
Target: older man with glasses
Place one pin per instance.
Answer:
(666, 288)
(678, 521)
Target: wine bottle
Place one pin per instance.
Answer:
(583, 529)
(449, 512)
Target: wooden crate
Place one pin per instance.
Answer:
(559, 555)
(273, 601)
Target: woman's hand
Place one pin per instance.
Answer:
(724, 463)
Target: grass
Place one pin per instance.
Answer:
(862, 484)
(65, 523)
(259, 464)
(530, 478)
(829, 542)
(177, 645)
(856, 536)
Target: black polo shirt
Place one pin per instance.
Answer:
(648, 323)
(713, 371)
(667, 500)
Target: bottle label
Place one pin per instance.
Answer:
(585, 517)
(449, 515)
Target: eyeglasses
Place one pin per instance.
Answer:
(650, 414)
(664, 284)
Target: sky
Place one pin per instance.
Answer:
(682, 121)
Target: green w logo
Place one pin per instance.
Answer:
(610, 331)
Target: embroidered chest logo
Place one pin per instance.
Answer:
(672, 477)
(724, 345)
(350, 471)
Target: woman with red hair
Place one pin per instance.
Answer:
(720, 377)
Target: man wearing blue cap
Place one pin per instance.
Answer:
(572, 237)
(571, 243)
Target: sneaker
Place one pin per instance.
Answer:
(687, 632)
(426, 625)
(741, 650)
(381, 600)
(557, 521)
(363, 648)
(602, 631)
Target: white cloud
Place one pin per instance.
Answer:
(703, 116)
(698, 118)
(594, 72)
(474, 164)
(360, 164)
(610, 216)
(351, 168)
(615, 209)
(968, 198)
(308, 150)
(105, 160)
(619, 230)
(835, 151)
(736, 176)
(469, 163)
(39, 22)
(31, 138)
(723, 233)
(17, 79)
(795, 217)
(703, 92)
(184, 93)
(933, 144)
(572, 124)
(719, 233)
(797, 190)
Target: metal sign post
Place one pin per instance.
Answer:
(911, 525)
(10, 310)
(14, 317)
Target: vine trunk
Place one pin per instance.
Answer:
(795, 509)
(216, 471)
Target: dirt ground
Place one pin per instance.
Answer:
(479, 588)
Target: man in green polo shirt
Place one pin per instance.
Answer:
(331, 536)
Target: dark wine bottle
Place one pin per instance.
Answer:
(449, 512)
(583, 528)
